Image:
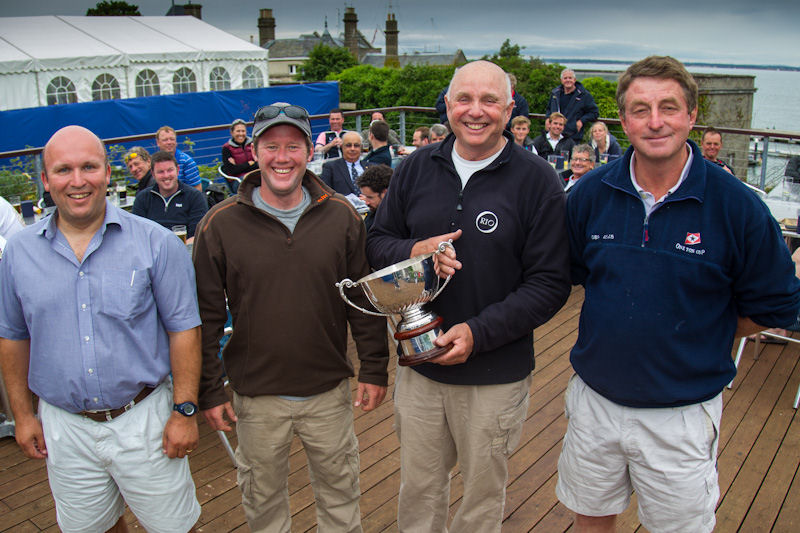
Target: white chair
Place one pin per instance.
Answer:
(765, 333)
(222, 436)
(232, 181)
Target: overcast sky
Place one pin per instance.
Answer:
(729, 31)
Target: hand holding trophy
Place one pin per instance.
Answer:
(404, 288)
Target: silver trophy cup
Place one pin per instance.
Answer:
(403, 289)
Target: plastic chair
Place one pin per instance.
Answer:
(794, 328)
(232, 181)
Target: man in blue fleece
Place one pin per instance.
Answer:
(677, 258)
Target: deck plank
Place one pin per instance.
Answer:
(759, 456)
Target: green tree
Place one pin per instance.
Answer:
(604, 94)
(323, 61)
(535, 79)
(113, 8)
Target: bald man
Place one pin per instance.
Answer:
(97, 308)
(504, 209)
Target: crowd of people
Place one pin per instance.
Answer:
(112, 307)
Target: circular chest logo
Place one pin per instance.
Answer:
(486, 222)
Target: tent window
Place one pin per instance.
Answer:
(219, 79)
(105, 87)
(61, 91)
(184, 81)
(147, 83)
(252, 78)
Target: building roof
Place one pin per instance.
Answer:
(61, 43)
(302, 46)
(418, 58)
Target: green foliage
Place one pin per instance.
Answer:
(413, 85)
(209, 171)
(604, 94)
(19, 177)
(535, 79)
(113, 8)
(324, 61)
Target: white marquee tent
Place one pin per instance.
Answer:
(58, 59)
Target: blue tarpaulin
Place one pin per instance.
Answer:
(32, 127)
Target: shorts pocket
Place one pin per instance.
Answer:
(510, 428)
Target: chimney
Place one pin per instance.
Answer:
(266, 26)
(392, 59)
(350, 29)
(194, 10)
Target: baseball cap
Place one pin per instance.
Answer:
(281, 113)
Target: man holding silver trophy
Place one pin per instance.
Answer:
(503, 208)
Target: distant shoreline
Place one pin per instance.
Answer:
(687, 63)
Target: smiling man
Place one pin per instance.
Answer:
(274, 252)
(170, 202)
(97, 309)
(711, 144)
(581, 162)
(575, 102)
(677, 258)
(504, 208)
(137, 159)
(341, 174)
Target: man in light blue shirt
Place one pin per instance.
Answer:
(97, 308)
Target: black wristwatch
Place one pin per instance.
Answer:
(185, 408)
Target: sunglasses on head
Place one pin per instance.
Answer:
(132, 155)
(271, 111)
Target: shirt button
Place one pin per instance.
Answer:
(86, 338)
(80, 273)
(83, 306)
(95, 400)
(91, 371)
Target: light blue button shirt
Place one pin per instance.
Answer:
(98, 327)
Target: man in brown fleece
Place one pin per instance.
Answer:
(273, 253)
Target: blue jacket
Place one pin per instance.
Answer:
(663, 293)
(515, 263)
(581, 107)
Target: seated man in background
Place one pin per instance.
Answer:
(421, 136)
(167, 141)
(329, 142)
(394, 139)
(710, 145)
(553, 142)
(137, 159)
(170, 202)
(341, 173)
(520, 127)
(237, 153)
(373, 184)
(438, 133)
(581, 162)
(379, 140)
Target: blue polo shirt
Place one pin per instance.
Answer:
(187, 169)
(98, 327)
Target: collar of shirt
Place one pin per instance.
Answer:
(554, 142)
(648, 199)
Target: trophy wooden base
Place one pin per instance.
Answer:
(420, 357)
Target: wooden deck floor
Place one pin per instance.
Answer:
(759, 453)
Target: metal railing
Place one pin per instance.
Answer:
(758, 156)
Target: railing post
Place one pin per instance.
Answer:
(403, 127)
(764, 163)
(358, 123)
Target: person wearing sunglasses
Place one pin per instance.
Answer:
(273, 253)
(137, 159)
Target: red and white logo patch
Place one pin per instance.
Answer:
(692, 239)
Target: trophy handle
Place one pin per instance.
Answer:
(442, 247)
(346, 284)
